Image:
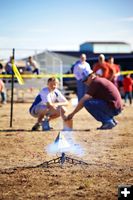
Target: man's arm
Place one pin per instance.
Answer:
(79, 106)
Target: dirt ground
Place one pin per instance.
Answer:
(109, 155)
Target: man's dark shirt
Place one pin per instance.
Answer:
(101, 88)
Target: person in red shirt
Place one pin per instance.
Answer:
(116, 69)
(103, 68)
(127, 86)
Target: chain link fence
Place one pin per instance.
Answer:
(48, 63)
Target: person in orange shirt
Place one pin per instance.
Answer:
(127, 86)
(116, 69)
(103, 69)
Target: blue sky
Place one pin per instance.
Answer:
(63, 24)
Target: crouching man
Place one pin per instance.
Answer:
(102, 100)
(49, 104)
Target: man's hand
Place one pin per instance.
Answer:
(70, 116)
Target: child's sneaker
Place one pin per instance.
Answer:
(45, 125)
(36, 127)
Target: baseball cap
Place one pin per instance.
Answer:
(85, 74)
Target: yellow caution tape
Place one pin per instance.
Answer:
(19, 77)
(126, 72)
(17, 74)
(39, 75)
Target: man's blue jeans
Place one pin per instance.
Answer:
(81, 89)
(100, 110)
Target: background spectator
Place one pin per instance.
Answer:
(8, 66)
(116, 69)
(2, 71)
(78, 68)
(127, 86)
(103, 69)
(2, 92)
(32, 66)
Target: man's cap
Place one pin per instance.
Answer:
(85, 74)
